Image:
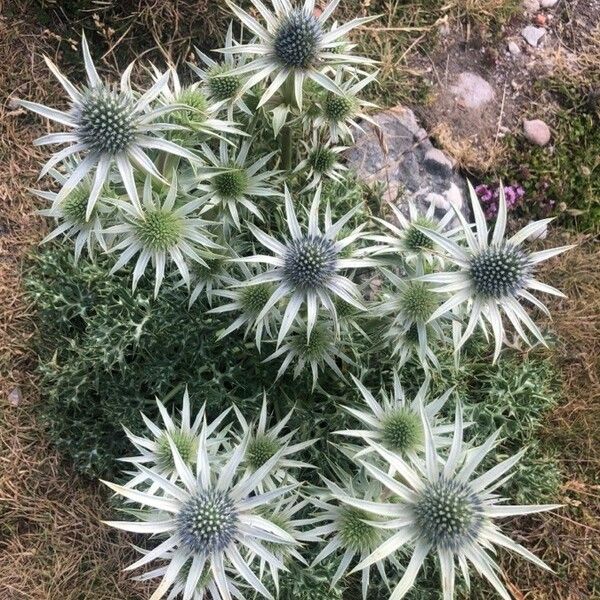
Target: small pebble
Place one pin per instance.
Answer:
(514, 48)
(15, 397)
(537, 132)
(540, 19)
(532, 35)
(531, 5)
(548, 3)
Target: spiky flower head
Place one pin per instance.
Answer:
(162, 229)
(352, 532)
(213, 515)
(265, 442)
(319, 351)
(439, 506)
(293, 45)
(109, 126)
(222, 85)
(183, 433)
(307, 268)
(322, 161)
(339, 113)
(235, 184)
(248, 301)
(492, 276)
(395, 423)
(72, 217)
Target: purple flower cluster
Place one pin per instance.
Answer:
(489, 196)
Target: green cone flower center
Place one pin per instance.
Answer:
(448, 514)
(402, 430)
(260, 450)
(499, 271)
(338, 108)
(106, 121)
(321, 160)
(354, 533)
(198, 107)
(297, 40)
(417, 301)
(185, 443)
(232, 184)
(74, 206)
(310, 261)
(254, 297)
(315, 348)
(213, 267)
(222, 85)
(208, 522)
(159, 230)
(415, 240)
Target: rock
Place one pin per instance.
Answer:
(540, 19)
(537, 132)
(532, 35)
(548, 3)
(472, 91)
(400, 155)
(531, 6)
(514, 48)
(15, 397)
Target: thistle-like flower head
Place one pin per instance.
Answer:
(395, 423)
(162, 228)
(294, 44)
(307, 266)
(440, 506)
(492, 276)
(235, 183)
(213, 516)
(322, 160)
(108, 126)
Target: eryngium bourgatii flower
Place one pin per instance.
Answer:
(265, 443)
(108, 125)
(350, 530)
(396, 423)
(406, 242)
(441, 507)
(322, 160)
(294, 45)
(155, 449)
(319, 351)
(213, 516)
(492, 276)
(235, 182)
(222, 86)
(307, 267)
(340, 112)
(162, 229)
(71, 214)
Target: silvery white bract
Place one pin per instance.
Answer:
(71, 214)
(155, 449)
(236, 183)
(439, 506)
(163, 228)
(293, 46)
(109, 125)
(265, 442)
(492, 276)
(212, 516)
(322, 160)
(307, 266)
(395, 423)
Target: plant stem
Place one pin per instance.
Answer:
(286, 136)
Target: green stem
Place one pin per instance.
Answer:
(286, 136)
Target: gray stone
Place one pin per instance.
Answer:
(532, 35)
(15, 397)
(472, 91)
(514, 48)
(531, 6)
(537, 132)
(400, 155)
(549, 3)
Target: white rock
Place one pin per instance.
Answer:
(532, 35)
(531, 5)
(514, 48)
(472, 91)
(549, 3)
(454, 196)
(537, 132)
